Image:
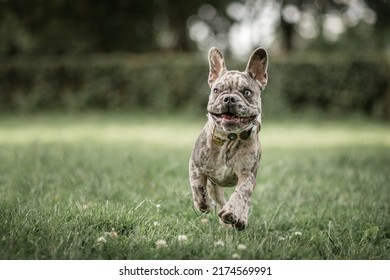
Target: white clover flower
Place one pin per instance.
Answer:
(158, 206)
(85, 206)
(101, 240)
(156, 224)
(236, 256)
(113, 234)
(161, 244)
(182, 238)
(297, 233)
(219, 243)
(241, 247)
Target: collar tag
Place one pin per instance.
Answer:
(232, 136)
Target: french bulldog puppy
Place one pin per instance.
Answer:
(227, 151)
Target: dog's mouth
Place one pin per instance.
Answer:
(231, 118)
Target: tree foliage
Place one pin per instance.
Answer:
(82, 26)
(85, 26)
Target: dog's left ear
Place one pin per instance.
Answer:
(257, 66)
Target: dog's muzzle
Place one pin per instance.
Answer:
(231, 118)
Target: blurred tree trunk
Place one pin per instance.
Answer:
(287, 34)
(382, 37)
(179, 12)
(287, 28)
(382, 24)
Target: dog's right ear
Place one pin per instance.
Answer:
(217, 65)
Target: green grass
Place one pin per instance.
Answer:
(66, 181)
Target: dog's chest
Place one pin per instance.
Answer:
(223, 176)
(220, 166)
(222, 173)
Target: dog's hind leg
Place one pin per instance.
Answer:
(216, 194)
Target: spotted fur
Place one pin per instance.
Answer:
(234, 107)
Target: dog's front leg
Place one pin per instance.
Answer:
(199, 192)
(236, 210)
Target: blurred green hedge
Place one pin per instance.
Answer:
(167, 83)
(338, 86)
(161, 83)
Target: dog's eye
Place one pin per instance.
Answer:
(247, 93)
(215, 90)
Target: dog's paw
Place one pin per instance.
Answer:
(229, 217)
(203, 206)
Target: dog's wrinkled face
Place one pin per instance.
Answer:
(235, 98)
(234, 101)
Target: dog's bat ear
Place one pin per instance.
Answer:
(217, 65)
(257, 67)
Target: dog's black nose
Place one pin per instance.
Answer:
(229, 99)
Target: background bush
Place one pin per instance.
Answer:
(337, 86)
(168, 83)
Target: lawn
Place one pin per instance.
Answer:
(115, 186)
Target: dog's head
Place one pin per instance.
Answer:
(235, 97)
